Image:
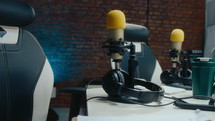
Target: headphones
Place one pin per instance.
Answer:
(169, 78)
(115, 85)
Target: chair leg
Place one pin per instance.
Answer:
(83, 108)
(52, 115)
(78, 105)
(74, 106)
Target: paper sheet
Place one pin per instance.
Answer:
(195, 116)
(172, 90)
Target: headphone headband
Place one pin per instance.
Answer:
(155, 93)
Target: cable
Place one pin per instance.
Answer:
(132, 101)
(147, 19)
(159, 105)
(96, 97)
(85, 91)
(195, 96)
(94, 79)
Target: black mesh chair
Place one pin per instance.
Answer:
(26, 77)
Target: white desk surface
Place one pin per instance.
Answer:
(103, 107)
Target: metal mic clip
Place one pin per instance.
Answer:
(115, 46)
(174, 53)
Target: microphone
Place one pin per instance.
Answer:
(182, 78)
(176, 38)
(116, 24)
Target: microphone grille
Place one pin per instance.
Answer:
(177, 35)
(116, 20)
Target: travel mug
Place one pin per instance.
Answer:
(203, 70)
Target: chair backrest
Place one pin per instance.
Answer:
(26, 77)
(148, 67)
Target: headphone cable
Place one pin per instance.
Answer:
(159, 105)
(92, 80)
(96, 97)
(188, 97)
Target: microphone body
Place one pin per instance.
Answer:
(176, 45)
(115, 25)
(116, 36)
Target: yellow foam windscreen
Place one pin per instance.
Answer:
(116, 20)
(177, 35)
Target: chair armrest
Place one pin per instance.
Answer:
(74, 90)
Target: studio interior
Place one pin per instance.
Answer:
(107, 60)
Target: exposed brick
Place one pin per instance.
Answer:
(71, 33)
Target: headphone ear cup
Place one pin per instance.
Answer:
(212, 102)
(167, 77)
(189, 74)
(126, 78)
(112, 82)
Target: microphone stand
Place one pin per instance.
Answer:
(181, 78)
(174, 54)
(132, 65)
(119, 47)
(184, 65)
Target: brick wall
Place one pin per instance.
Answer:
(71, 33)
(166, 15)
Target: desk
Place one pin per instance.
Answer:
(99, 107)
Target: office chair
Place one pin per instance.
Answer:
(26, 77)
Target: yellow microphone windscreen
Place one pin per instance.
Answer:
(177, 35)
(116, 20)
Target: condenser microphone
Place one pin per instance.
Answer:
(182, 78)
(176, 38)
(116, 24)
